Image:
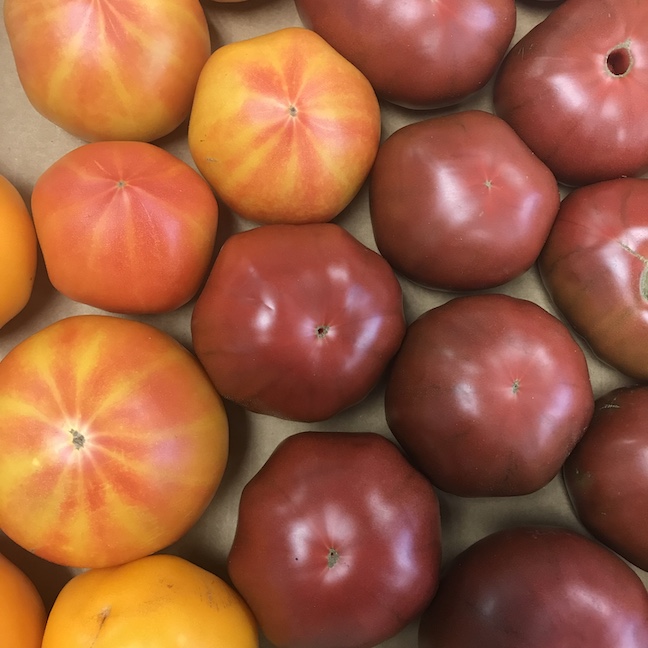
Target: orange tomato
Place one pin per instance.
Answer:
(113, 441)
(18, 250)
(22, 612)
(161, 601)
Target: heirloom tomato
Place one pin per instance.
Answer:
(133, 231)
(160, 601)
(109, 69)
(112, 441)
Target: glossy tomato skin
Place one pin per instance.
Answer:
(537, 587)
(417, 54)
(337, 541)
(607, 477)
(113, 441)
(134, 230)
(594, 267)
(460, 202)
(488, 394)
(583, 112)
(297, 321)
(109, 69)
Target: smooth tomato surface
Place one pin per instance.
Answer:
(109, 69)
(159, 601)
(133, 231)
(112, 441)
(283, 127)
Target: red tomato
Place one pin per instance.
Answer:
(109, 69)
(337, 541)
(488, 394)
(537, 587)
(134, 230)
(575, 88)
(418, 53)
(607, 473)
(460, 202)
(595, 268)
(297, 321)
(112, 441)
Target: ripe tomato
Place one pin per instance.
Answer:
(134, 230)
(22, 612)
(18, 252)
(159, 601)
(112, 441)
(109, 69)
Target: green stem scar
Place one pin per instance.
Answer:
(333, 557)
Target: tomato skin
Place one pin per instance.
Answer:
(133, 232)
(337, 541)
(22, 620)
(160, 601)
(109, 429)
(597, 125)
(109, 69)
(488, 394)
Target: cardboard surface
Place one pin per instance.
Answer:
(29, 144)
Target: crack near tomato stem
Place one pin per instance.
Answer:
(103, 617)
(634, 253)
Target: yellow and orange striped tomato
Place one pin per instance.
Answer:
(109, 69)
(283, 127)
(112, 441)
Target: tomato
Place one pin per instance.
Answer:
(22, 619)
(337, 541)
(459, 202)
(283, 127)
(594, 266)
(112, 441)
(160, 601)
(109, 69)
(134, 230)
(418, 54)
(584, 112)
(607, 476)
(18, 252)
(488, 394)
(537, 587)
(297, 321)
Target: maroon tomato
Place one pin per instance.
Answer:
(418, 53)
(297, 321)
(337, 541)
(575, 88)
(595, 267)
(460, 202)
(537, 587)
(488, 395)
(607, 473)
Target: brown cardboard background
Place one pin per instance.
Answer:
(29, 144)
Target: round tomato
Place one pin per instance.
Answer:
(537, 587)
(112, 441)
(134, 230)
(109, 69)
(488, 394)
(460, 202)
(418, 53)
(18, 252)
(575, 88)
(159, 601)
(595, 267)
(283, 127)
(337, 541)
(297, 321)
(22, 615)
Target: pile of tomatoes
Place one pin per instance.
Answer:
(323, 324)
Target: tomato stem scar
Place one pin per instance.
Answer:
(516, 385)
(333, 557)
(322, 330)
(78, 440)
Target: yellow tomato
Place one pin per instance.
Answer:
(17, 252)
(160, 601)
(22, 612)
